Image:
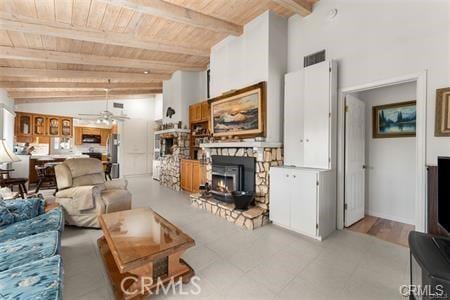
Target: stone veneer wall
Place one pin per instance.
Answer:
(170, 164)
(265, 158)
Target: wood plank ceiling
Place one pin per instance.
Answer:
(58, 50)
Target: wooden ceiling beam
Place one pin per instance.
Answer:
(180, 14)
(301, 7)
(28, 72)
(93, 60)
(83, 98)
(27, 85)
(77, 94)
(61, 30)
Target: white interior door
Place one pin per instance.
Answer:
(355, 159)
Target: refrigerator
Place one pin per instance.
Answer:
(113, 144)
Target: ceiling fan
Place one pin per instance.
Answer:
(106, 116)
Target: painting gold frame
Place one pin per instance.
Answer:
(260, 90)
(375, 126)
(442, 126)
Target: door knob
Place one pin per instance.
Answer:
(307, 140)
(364, 167)
(301, 141)
(287, 175)
(295, 176)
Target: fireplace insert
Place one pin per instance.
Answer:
(226, 179)
(230, 174)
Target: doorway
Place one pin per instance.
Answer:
(379, 161)
(359, 178)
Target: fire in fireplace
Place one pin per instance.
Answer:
(232, 174)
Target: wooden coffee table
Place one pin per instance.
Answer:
(142, 247)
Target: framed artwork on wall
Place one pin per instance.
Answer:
(394, 120)
(240, 112)
(442, 126)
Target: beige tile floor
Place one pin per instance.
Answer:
(232, 263)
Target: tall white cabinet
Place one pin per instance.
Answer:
(310, 116)
(303, 192)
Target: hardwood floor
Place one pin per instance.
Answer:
(384, 229)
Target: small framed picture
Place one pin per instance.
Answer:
(394, 120)
(442, 127)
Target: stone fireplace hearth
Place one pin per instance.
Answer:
(266, 155)
(174, 147)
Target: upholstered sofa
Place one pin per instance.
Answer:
(30, 264)
(84, 194)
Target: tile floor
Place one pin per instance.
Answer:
(267, 263)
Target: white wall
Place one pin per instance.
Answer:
(390, 161)
(6, 118)
(380, 39)
(182, 90)
(259, 54)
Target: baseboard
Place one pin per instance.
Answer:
(389, 217)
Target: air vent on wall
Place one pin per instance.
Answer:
(117, 105)
(314, 58)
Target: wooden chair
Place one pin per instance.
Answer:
(108, 169)
(7, 181)
(46, 177)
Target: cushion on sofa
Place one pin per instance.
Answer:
(24, 209)
(50, 221)
(6, 217)
(19, 252)
(42, 279)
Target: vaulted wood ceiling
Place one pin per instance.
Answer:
(68, 49)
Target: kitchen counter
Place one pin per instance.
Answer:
(57, 156)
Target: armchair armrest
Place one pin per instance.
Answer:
(83, 196)
(116, 184)
(24, 209)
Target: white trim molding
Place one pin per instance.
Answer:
(421, 138)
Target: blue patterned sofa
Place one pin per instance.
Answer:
(30, 264)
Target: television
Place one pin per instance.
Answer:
(444, 192)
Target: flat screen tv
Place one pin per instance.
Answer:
(444, 192)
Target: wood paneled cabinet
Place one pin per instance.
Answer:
(30, 126)
(199, 112)
(24, 125)
(192, 175)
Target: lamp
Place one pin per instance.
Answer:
(6, 155)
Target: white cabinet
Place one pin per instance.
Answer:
(310, 116)
(156, 174)
(303, 200)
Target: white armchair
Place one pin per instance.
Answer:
(84, 194)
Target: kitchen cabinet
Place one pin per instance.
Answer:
(78, 135)
(303, 200)
(104, 135)
(192, 175)
(39, 125)
(310, 116)
(66, 126)
(53, 126)
(23, 124)
(91, 130)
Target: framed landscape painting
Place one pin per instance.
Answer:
(240, 113)
(442, 127)
(394, 120)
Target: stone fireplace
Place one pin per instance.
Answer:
(264, 155)
(174, 147)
